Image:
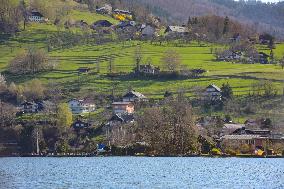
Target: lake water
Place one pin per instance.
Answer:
(140, 172)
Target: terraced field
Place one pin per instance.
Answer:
(240, 76)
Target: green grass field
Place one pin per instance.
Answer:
(239, 76)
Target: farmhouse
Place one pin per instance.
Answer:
(212, 93)
(84, 70)
(36, 16)
(118, 119)
(236, 38)
(29, 107)
(177, 30)
(262, 58)
(133, 96)
(81, 106)
(107, 9)
(254, 141)
(123, 107)
(78, 124)
(230, 128)
(101, 24)
(149, 69)
(126, 24)
(122, 15)
(229, 55)
(148, 31)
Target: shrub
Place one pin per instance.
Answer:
(216, 151)
(231, 152)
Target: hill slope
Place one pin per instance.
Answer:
(265, 17)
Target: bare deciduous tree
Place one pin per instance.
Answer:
(171, 60)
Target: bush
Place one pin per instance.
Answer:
(231, 152)
(216, 152)
(31, 61)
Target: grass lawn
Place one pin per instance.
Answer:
(239, 76)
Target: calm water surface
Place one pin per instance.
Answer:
(134, 172)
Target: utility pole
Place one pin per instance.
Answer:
(37, 140)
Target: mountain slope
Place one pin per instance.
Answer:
(264, 17)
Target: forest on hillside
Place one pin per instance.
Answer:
(264, 17)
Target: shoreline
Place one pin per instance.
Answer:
(188, 156)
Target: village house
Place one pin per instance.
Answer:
(133, 96)
(147, 31)
(177, 30)
(106, 9)
(260, 132)
(230, 128)
(254, 141)
(81, 106)
(84, 70)
(123, 107)
(126, 24)
(229, 55)
(236, 38)
(149, 69)
(118, 119)
(36, 16)
(122, 15)
(78, 124)
(29, 107)
(212, 93)
(262, 58)
(101, 24)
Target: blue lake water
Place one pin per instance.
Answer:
(140, 172)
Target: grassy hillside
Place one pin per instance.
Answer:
(240, 76)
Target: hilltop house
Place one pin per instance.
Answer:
(29, 107)
(101, 24)
(123, 107)
(127, 24)
(229, 55)
(106, 9)
(177, 30)
(262, 58)
(212, 93)
(78, 124)
(230, 128)
(84, 70)
(36, 16)
(149, 69)
(81, 106)
(254, 141)
(236, 38)
(133, 96)
(118, 119)
(147, 31)
(122, 15)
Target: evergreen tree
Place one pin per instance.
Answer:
(226, 25)
(227, 92)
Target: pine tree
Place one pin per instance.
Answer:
(226, 25)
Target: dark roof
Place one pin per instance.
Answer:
(28, 104)
(134, 94)
(215, 87)
(83, 69)
(124, 118)
(243, 130)
(264, 55)
(82, 124)
(124, 24)
(102, 23)
(177, 29)
(121, 103)
(36, 13)
(122, 11)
